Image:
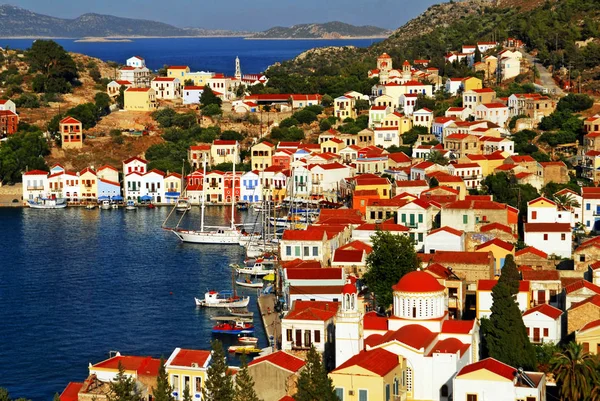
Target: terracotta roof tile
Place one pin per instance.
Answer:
(491, 365)
(379, 361)
(282, 359)
(545, 309)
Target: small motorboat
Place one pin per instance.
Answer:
(48, 203)
(183, 205)
(214, 299)
(248, 340)
(151, 206)
(105, 205)
(114, 205)
(90, 206)
(257, 267)
(237, 326)
(249, 283)
(248, 350)
(130, 205)
(240, 312)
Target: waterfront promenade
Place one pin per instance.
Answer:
(270, 318)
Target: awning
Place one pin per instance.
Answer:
(117, 198)
(172, 194)
(146, 198)
(103, 197)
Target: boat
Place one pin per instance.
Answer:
(233, 327)
(183, 205)
(48, 203)
(114, 205)
(215, 299)
(210, 235)
(130, 205)
(248, 340)
(90, 206)
(242, 205)
(151, 206)
(249, 283)
(261, 207)
(257, 267)
(240, 312)
(105, 205)
(244, 349)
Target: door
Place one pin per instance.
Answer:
(412, 220)
(542, 296)
(536, 335)
(298, 338)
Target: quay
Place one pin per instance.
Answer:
(270, 318)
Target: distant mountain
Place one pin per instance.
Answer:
(328, 30)
(18, 22)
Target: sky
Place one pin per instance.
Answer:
(250, 15)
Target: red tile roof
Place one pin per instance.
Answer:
(595, 300)
(588, 326)
(348, 256)
(188, 357)
(450, 257)
(332, 273)
(449, 346)
(532, 250)
(413, 335)
(419, 282)
(69, 120)
(581, 283)
(143, 365)
(457, 326)
(411, 183)
(373, 321)
(357, 245)
(281, 359)
(312, 310)
(495, 226)
(313, 289)
(303, 235)
(379, 361)
(476, 204)
(299, 263)
(488, 285)
(547, 227)
(498, 242)
(491, 365)
(135, 158)
(36, 172)
(447, 229)
(541, 275)
(545, 309)
(71, 392)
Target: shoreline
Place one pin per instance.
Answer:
(342, 38)
(109, 39)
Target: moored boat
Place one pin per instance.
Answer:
(105, 205)
(90, 206)
(242, 205)
(214, 299)
(249, 283)
(183, 205)
(130, 205)
(257, 267)
(233, 327)
(48, 203)
(248, 340)
(240, 312)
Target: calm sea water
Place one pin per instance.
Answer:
(212, 54)
(76, 284)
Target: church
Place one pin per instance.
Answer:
(424, 348)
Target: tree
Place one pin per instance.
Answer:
(95, 74)
(575, 372)
(244, 384)
(121, 97)
(186, 394)
(510, 275)
(313, 383)
(392, 257)
(219, 384)
(208, 97)
(326, 100)
(437, 158)
(102, 101)
(163, 390)
(50, 59)
(433, 183)
(477, 56)
(212, 110)
(566, 202)
(22, 150)
(506, 327)
(124, 388)
(188, 82)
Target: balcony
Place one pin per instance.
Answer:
(35, 187)
(411, 225)
(213, 186)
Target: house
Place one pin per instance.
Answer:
(140, 99)
(491, 145)
(460, 113)
(423, 117)
(509, 68)
(454, 86)
(470, 173)
(113, 88)
(365, 232)
(386, 136)
(533, 258)
(192, 94)
(326, 178)
(136, 61)
(453, 182)
(251, 189)
(497, 113)
(418, 215)
(492, 380)
(468, 266)
(225, 151)
(576, 291)
(543, 323)
(88, 185)
(275, 375)
(469, 215)
(300, 101)
(178, 71)
(500, 249)
(586, 253)
(332, 145)
(262, 155)
(8, 105)
(187, 368)
(552, 238)
(591, 208)
(71, 133)
(143, 369)
(344, 107)
(197, 154)
(589, 337)
(273, 183)
(173, 187)
(412, 187)
(305, 245)
(543, 210)
(454, 285)
(377, 114)
(352, 257)
(309, 283)
(408, 101)
(166, 88)
(438, 126)
(462, 144)
(370, 181)
(484, 297)
(440, 195)
(444, 239)
(474, 97)
(35, 185)
(583, 313)
(138, 76)
(556, 172)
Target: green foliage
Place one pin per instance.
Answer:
(163, 390)
(304, 116)
(121, 97)
(544, 353)
(287, 134)
(167, 156)
(27, 100)
(244, 384)
(23, 150)
(212, 110)
(167, 118)
(123, 388)
(231, 135)
(327, 101)
(410, 137)
(393, 256)
(95, 74)
(324, 125)
(102, 101)
(208, 98)
(288, 122)
(522, 140)
(56, 67)
(313, 383)
(437, 158)
(506, 327)
(575, 102)
(87, 113)
(510, 275)
(229, 167)
(219, 384)
(576, 372)
(505, 189)
(186, 396)
(188, 82)
(512, 124)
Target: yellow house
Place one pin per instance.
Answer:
(333, 145)
(71, 133)
(140, 99)
(88, 184)
(178, 71)
(367, 182)
(589, 337)
(500, 249)
(343, 107)
(472, 83)
(399, 120)
(262, 155)
(200, 78)
(370, 375)
(173, 188)
(187, 368)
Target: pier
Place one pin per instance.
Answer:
(270, 318)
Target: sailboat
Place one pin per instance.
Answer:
(210, 234)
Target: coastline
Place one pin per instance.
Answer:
(117, 39)
(342, 38)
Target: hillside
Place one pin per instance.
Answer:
(18, 22)
(328, 30)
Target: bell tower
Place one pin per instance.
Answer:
(349, 338)
(238, 69)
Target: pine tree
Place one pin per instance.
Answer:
(186, 394)
(244, 384)
(506, 336)
(510, 275)
(477, 56)
(163, 389)
(313, 383)
(123, 388)
(219, 384)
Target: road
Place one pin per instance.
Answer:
(545, 76)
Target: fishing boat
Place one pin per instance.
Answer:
(242, 205)
(244, 349)
(48, 203)
(248, 340)
(215, 299)
(237, 326)
(183, 205)
(257, 267)
(90, 206)
(240, 312)
(248, 282)
(114, 205)
(130, 205)
(105, 205)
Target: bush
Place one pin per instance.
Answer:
(95, 74)
(288, 122)
(230, 135)
(212, 110)
(304, 116)
(324, 125)
(28, 100)
(575, 102)
(287, 134)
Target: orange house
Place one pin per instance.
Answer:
(71, 133)
(360, 199)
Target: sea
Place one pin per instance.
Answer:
(76, 284)
(200, 54)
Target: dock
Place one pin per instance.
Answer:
(270, 318)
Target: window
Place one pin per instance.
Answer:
(420, 218)
(306, 252)
(175, 383)
(582, 258)
(288, 335)
(586, 347)
(471, 397)
(403, 217)
(534, 215)
(546, 332)
(409, 380)
(545, 237)
(339, 393)
(297, 251)
(465, 219)
(288, 251)
(588, 206)
(363, 395)
(315, 251)
(317, 336)
(563, 236)
(420, 236)
(387, 392)
(444, 391)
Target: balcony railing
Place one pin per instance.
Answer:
(411, 225)
(35, 187)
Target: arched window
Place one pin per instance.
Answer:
(352, 302)
(444, 391)
(347, 301)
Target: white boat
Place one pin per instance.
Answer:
(114, 205)
(130, 205)
(183, 205)
(257, 249)
(248, 340)
(105, 205)
(48, 203)
(256, 267)
(249, 283)
(214, 299)
(90, 206)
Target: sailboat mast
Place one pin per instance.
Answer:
(202, 206)
(233, 187)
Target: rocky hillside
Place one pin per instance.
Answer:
(18, 22)
(328, 30)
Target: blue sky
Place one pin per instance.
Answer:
(240, 14)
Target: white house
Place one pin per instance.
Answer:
(552, 238)
(509, 67)
(461, 113)
(8, 105)
(454, 85)
(576, 212)
(543, 210)
(154, 181)
(543, 324)
(192, 94)
(136, 61)
(309, 323)
(225, 151)
(492, 380)
(326, 178)
(166, 88)
(471, 173)
(591, 208)
(251, 189)
(485, 46)
(35, 185)
(386, 137)
(377, 114)
(304, 245)
(484, 297)
(494, 112)
(134, 165)
(408, 101)
(423, 117)
(417, 88)
(445, 239)
(418, 215)
(138, 76)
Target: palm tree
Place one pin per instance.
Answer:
(437, 158)
(566, 201)
(575, 372)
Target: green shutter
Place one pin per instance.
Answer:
(465, 219)
(420, 218)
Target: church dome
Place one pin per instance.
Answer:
(349, 288)
(418, 281)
